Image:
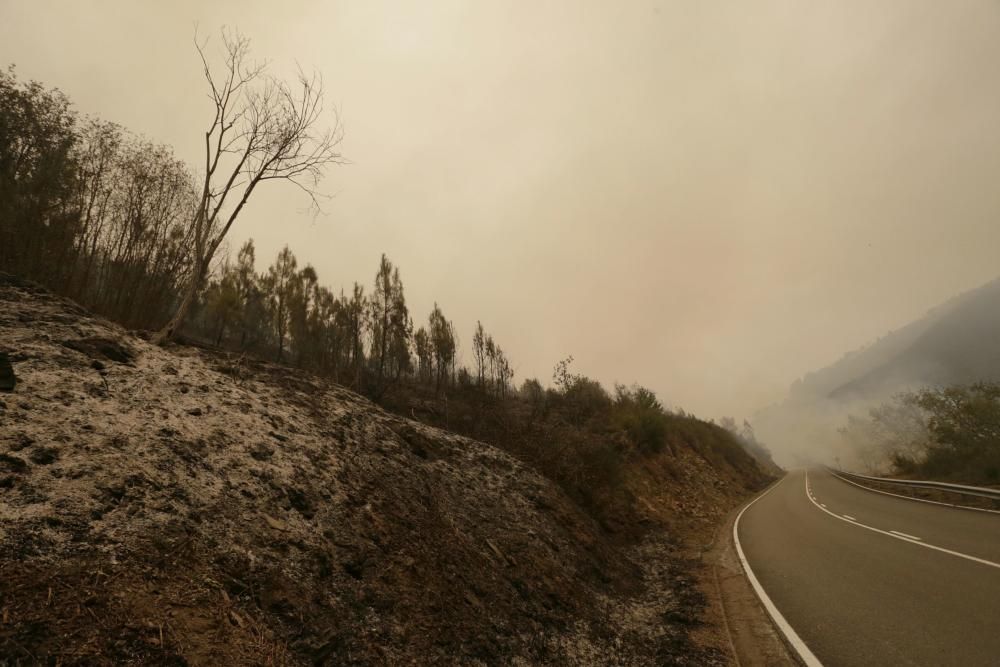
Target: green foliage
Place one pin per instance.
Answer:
(223, 300)
(38, 176)
(641, 415)
(425, 355)
(493, 369)
(746, 437)
(391, 329)
(576, 435)
(964, 423)
(581, 397)
(948, 433)
(562, 377)
(718, 446)
(443, 346)
(894, 433)
(89, 210)
(534, 394)
(280, 284)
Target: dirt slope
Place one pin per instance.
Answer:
(182, 507)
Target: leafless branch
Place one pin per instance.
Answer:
(262, 129)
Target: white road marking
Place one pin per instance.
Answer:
(901, 538)
(849, 517)
(909, 537)
(919, 500)
(822, 505)
(805, 655)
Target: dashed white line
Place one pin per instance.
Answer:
(919, 543)
(805, 655)
(849, 517)
(909, 537)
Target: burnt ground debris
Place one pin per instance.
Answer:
(165, 511)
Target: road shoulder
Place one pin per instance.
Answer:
(734, 608)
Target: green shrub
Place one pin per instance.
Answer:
(641, 416)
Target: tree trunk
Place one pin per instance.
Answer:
(222, 330)
(168, 331)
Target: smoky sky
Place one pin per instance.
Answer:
(708, 198)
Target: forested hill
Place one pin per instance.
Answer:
(956, 342)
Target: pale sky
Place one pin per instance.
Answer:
(709, 198)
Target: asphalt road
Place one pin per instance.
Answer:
(858, 596)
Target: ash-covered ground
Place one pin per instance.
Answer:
(184, 506)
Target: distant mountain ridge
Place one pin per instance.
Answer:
(956, 342)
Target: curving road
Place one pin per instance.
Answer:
(864, 578)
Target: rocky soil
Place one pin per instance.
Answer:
(182, 506)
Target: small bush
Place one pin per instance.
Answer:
(586, 399)
(640, 415)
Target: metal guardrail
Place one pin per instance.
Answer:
(978, 491)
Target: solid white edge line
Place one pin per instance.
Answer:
(919, 500)
(900, 537)
(805, 655)
(911, 537)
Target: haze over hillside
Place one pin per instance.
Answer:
(367, 332)
(958, 342)
(706, 198)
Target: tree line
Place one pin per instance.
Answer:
(119, 224)
(104, 217)
(89, 209)
(365, 339)
(945, 433)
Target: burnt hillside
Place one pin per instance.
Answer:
(184, 506)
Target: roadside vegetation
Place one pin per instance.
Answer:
(109, 219)
(946, 433)
(337, 532)
(205, 507)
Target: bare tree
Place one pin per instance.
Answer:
(263, 129)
